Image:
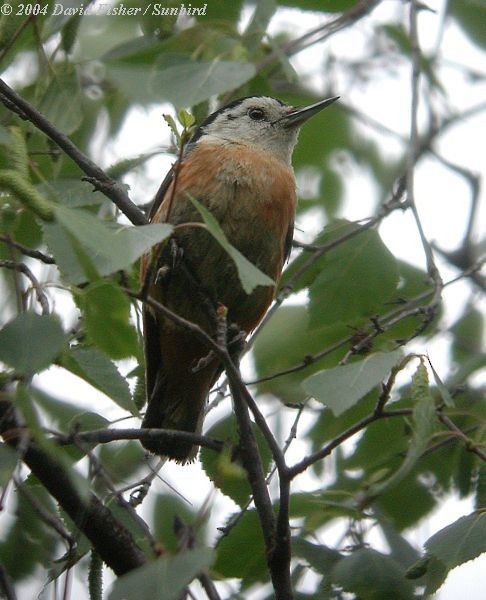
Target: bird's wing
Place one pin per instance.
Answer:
(151, 326)
(159, 196)
(288, 242)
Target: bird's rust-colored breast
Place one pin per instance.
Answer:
(235, 180)
(252, 195)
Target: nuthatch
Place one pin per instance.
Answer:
(238, 165)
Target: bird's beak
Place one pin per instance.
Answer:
(298, 116)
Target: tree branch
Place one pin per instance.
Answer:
(101, 181)
(104, 436)
(279, 569)
(45, 258)
(458, 433)
(338, 440)
(281, 554)
(414, 150)
(321, 33)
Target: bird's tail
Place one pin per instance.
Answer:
(176, 412)
(176, 388)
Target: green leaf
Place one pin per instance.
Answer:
(168, 507)
(370, 453)
(71, 192)
(225, 469)
(66, 416)
(132, 522)
(169, 119)
(107, 312)
(372, 576)
(355, 279)
(63, 101)
(289, 325)
(178, 80)
(321, 558)
(423, 420)
(420, 501)
(29, 542)
(468, 335)
(435, 576)
(226, 11)
(120, 168)
(26, 229)
(9, 459)
(320, 507)
(242, 553)
(463, 540)
(249, 275)
(471, 16)
(164, 578)
(341, 388)
(108, 248)
(328, 426)
(62, 413)
(60, 243)
(444, 392)
(98, 370)
(186, 119)
(122, 460)
(401, 550)
(30, 342)
(480, 496)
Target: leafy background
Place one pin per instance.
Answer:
(73, 340)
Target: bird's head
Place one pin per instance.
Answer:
(260, 121)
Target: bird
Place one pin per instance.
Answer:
(237, 164)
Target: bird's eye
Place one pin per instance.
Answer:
(256, 114)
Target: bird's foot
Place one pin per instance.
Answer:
(176, 253)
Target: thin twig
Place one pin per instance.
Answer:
(413, 150)
(469, 445)
(67, 583)
(24, 269)
(322, 32)
(338, 440)
(6, 585)
(48, 260)
(15, 36)
(97, 470)
(51, 520)
(209, 587)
